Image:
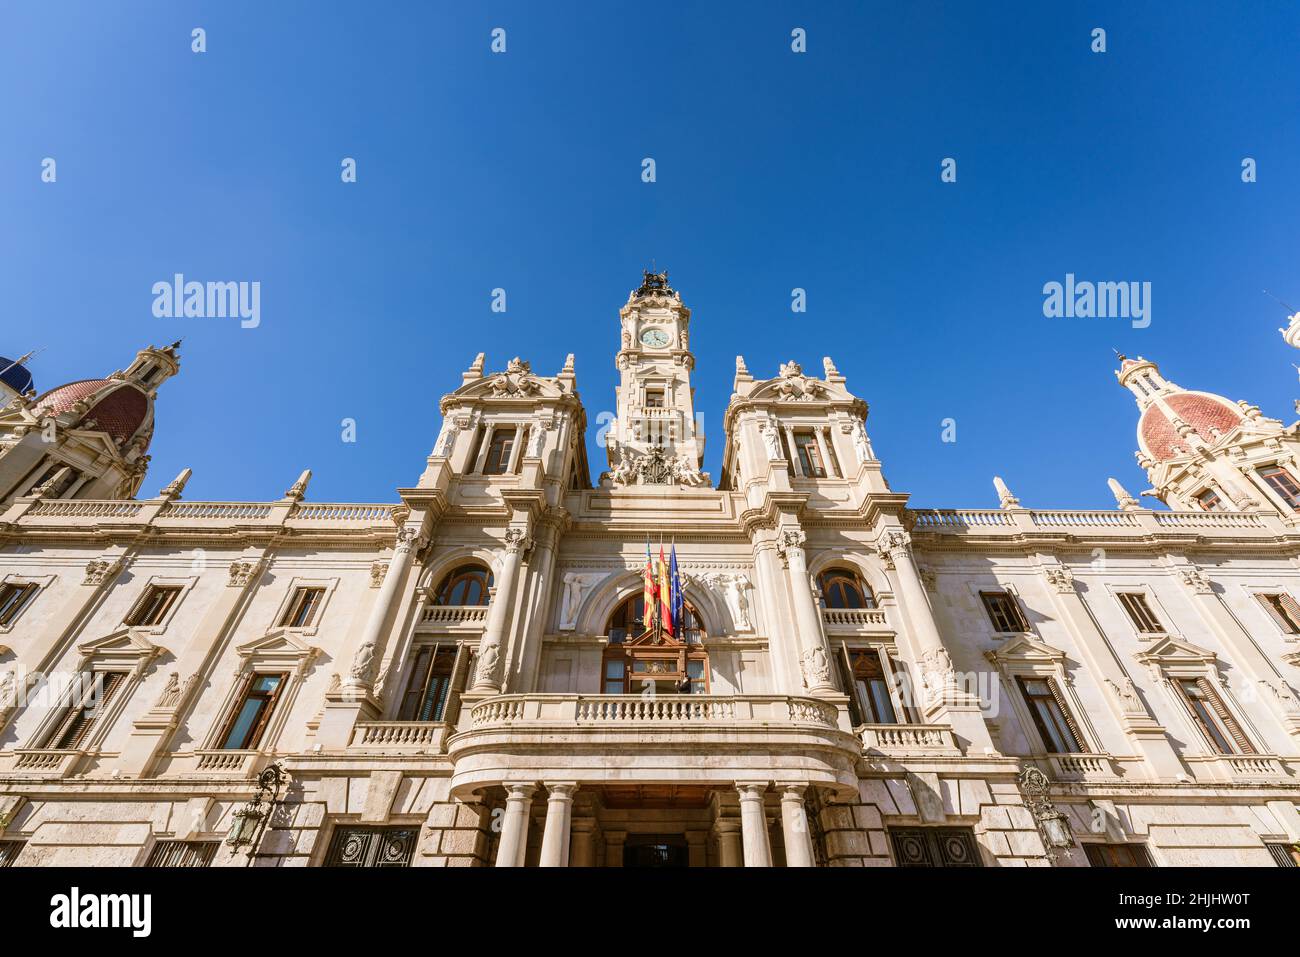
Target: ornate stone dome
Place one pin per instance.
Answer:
(1210, 416)
(119, 412)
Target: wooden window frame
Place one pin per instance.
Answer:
(257, 732)
(104, 690)
(413, 704)
(1286, 488)
(15, 598)
(1210, 500)
(830, 578)
(503, 451)
(154, 607)
(989, 599)
(1066, 722)
(298, 603)
(463, 573)
(1137, 606)
(1283, 609)
(809, 452)
(1216, 724)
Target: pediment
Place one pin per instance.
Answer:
(510, 386)
(1172, 649)
(1026, 647)
(127, 647)
(279, 647)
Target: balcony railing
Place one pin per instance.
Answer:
(662, 710)
(954, 520)
(454, 615)
(1082, 767)
(899, 740)
(398, 736)
(49, 762)
(226, 761)
(854, 620)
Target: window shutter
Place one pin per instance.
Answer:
(845, 668)
(1292, 608)
(1229, 722)
(1279, 620)
(1069, 716)
(459, 678)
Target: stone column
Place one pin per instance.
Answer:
(614, 848)
(940, 696)
(514, 826)
(753, 824)
(814, 653)
(729, 849)
(583, 832)
(559, 816)
(488, 678)
(794, 826)
(794, 452)
(362, 673)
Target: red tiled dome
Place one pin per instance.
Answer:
(1202, 412)
(120, 413)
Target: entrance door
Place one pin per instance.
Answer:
(935, 847)
(655, 850)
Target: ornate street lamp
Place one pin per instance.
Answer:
(251, 820)
(1052, 824)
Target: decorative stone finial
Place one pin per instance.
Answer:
(829, 367)
(177, 485)
(299, 488)
(1005, 498)
(568, 365)
(1123, 499)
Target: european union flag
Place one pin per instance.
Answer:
(676, 601)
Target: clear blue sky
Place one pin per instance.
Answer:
(775, 170)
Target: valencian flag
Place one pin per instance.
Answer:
(648, 595)
(664, 589)
(676, 600)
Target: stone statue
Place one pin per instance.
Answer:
(770, 441)
(816, 670)
(489, 656)
(536, 440)
(733, 588)
(862, 444)
(576, 586)
(446, 439)
(359, 673)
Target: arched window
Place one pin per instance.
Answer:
(638, 658)
(842, 588)
(466, 585)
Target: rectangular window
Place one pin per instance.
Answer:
(371, 846)
(1285, 855)
(1209, 501)
(1118, 855)
(499, 449)
(153, 606)
(182, 854)
(81, 715)
(1139, 610)
(810, 456)
(429, 685)
(9, 851)
(615, 675)
(1051, 716)
(1212, 716)
(14, 597)
(244, 730)
(697, 682)
(302, 607)
(1282, 608)
(654, 398)
(1281, 482)
(1003, 611)
(871, 692)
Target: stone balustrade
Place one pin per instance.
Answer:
(454, 615)
(662, 710)
(899, 740)
(1137, 522)
(398, 736)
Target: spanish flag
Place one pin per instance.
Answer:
(665, 595)
(650, 592)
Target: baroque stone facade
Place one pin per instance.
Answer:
(459, 678)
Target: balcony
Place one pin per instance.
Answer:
(1244, 768)
(699, 739)
(45, 762)
(855, 621)
(1082, 767)
(398, 737)
(908, 740)
(228, 762)
(452, 618)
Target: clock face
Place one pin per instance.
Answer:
(655, 338)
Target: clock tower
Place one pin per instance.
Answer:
(655, 439)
